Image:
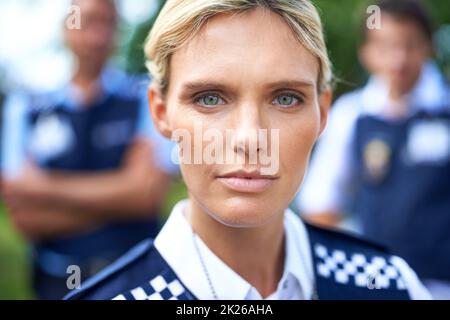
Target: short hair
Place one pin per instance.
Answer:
(180, 20)
(406, 10)
(113, 3)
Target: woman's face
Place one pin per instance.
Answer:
(240, 74)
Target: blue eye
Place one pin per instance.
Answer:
(210, 100)
(287, 100)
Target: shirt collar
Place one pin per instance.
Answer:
(298, 262)
(181, 255)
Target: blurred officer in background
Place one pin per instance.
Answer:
(81, 180)
(390, 142)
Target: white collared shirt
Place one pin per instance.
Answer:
(176, 245)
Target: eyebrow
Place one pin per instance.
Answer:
(205, 85)
(291, 83)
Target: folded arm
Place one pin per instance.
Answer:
(48, 204)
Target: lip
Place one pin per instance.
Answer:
(247, 182)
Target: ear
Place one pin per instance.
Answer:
(369, 57)
(66, 35)
(363, 56)
(158, 110)
(325, 99)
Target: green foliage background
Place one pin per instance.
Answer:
(342, 21)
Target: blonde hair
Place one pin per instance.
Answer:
(180, 20)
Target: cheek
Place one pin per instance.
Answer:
(191, 124)
(416, 62)
(296, 142)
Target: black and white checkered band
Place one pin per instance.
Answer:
(162, 287)
(357, 269)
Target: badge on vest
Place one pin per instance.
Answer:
(377, 155)
(428, 142)
(52, 136)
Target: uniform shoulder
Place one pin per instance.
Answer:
(349, 266)
(124, 85)
(47, 100)
(335, 237)
(30, 101)
(124, 274)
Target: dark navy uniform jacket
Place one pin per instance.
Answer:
(406, 205)
(143, 274)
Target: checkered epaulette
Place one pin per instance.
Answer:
(349, 267)
(165, 286)
(140, 274)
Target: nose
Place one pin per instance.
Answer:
(398, 58)
(249, 136)
(100, 34)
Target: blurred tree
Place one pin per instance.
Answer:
(14, 265)
(443, 48)
(135, 54)
(341, 21)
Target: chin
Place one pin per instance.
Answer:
(246, 212)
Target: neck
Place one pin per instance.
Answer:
(256, 254)
(86, 79)
(398, 106)
(397, 95)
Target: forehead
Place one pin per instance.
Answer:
(246, 48)
(393, 27)
(104, 7)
